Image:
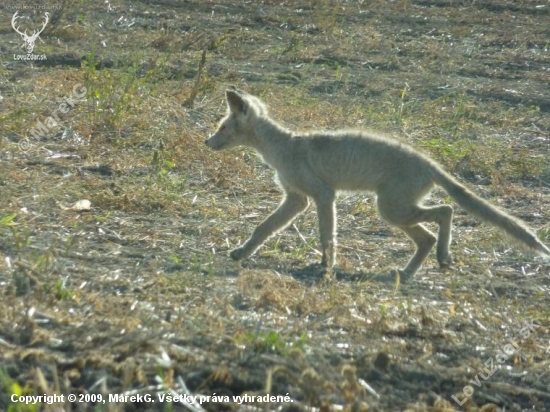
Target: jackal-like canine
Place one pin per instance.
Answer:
(317, 164)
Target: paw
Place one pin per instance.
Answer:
(326, 264)
(328, 260)
(446, 262)
(403, 276)
(238, 254)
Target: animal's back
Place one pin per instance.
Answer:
(353, 160)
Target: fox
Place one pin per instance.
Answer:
(317, 165)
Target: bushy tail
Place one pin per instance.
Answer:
(489, 213)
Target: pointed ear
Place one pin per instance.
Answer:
(235, 101)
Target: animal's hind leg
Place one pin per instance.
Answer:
(408, 218)
(443, 216)
(424, 241)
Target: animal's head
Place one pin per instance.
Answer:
(237, 127)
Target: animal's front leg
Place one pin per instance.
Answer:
(326, 213)
(292, 205)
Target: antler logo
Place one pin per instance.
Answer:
(29, 40)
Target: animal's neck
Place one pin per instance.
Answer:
(273, 142)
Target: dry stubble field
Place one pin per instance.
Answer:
(137, 295)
